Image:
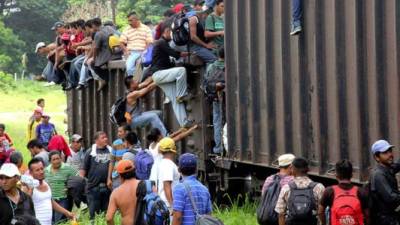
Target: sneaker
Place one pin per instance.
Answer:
(166, 101)
(188, 123)
(49, 84)
(296, 29)
(80, 87)
(183, 99)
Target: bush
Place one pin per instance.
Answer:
(6, 82)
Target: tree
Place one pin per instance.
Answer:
(10, 50)
(31, 20)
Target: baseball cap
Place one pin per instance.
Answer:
(9, 170)
(124, 166)
(76, 137)
(39, 46)
(187, 160)
(167, 144)
(45, 115)
(178, 7)
(57, 25)
(381, 146)
(187, 7)
(285, 160)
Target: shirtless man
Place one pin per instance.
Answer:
(134, 115)
(123, 198)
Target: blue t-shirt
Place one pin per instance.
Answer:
(182, 202)
(44, 132)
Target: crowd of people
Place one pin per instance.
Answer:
(144, 183)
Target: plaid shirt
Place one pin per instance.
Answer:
(285, 179)
(301, 182)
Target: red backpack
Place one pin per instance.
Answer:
(346, 208)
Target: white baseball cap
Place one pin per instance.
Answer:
(285, 160)
(39, 45)
(9, 170)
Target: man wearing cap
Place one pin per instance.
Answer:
(45, 131)
(124, 198)
(183, 211)
(13, 201)
(384, 190)
(48, 72)
(284, 163)
(77, 152)
(167, 174)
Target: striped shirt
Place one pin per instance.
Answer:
(57, 180)
(181, 201)
(137, 39)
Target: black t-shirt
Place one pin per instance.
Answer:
(96, 167)
(328, 196)
(24, 207)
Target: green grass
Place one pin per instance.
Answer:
(17, 105)
(244, 214)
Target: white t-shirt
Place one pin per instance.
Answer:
(43, 206)
(167, 171)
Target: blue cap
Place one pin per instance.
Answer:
(187, 160)
(381, 146)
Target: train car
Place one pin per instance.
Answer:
(326, 94)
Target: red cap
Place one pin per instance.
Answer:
(178, 7)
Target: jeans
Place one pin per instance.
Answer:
(297, 12)
(48, 72)
(66, 204)
(83, 74)
(149, 117)
(203, 53)
(131, 62)
(217, 125)
(98, 198)
(173, 83)
(75, 69)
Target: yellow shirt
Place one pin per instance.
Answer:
(32, 130)
(137, 39)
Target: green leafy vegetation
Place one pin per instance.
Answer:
(236, 214)
(18, 100)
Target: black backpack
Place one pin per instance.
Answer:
(180, 29)
(210, 81)
(301, 204)
(117, 112)
(266, 214)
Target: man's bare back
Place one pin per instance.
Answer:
(124, 199)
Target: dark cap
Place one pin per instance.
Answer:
(57, 25)
(187, 160)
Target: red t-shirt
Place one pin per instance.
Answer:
(57, 142)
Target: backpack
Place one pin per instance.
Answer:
(301, 204)
(118, 110)
(143, 163)
(147, 56)
(114, 44)
(266, 214)
(210, 81)
(201, 219)
(180, 30)
(346, 207)
(151, 209)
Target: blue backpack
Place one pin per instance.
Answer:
(147, 56)
(143, 163)
(151, 210)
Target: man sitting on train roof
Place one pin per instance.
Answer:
(171, 79)
(134, 114)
